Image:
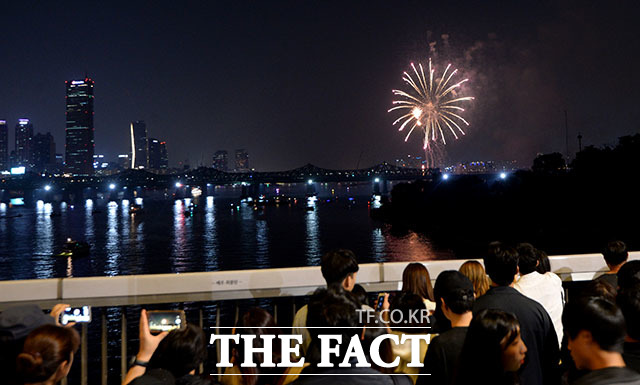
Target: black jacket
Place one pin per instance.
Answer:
(536, 329)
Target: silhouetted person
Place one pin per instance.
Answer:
(544, 288)
(47, 355)
(335, 310)
(455, 293)
(595, 329)
(629, 302)
(615, 255)
(501, 263)
(493, 350)
(338, 267)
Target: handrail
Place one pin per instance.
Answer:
(241, 284)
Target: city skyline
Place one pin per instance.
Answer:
(305, 83)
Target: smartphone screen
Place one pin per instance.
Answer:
(379, 301)
(76, 314)
(166, 320)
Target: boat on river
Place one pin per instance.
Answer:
(73, 248)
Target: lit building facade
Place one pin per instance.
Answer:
(4, 145)
(154, 154)
(139, 145)
(123, 161)
(80, 145)
(164, 157)
(242, 161)
(24, 143)
(221, 161)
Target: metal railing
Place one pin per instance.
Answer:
(122, 291)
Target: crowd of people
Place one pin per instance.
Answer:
(507, 322)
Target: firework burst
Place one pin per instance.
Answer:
(431, 105)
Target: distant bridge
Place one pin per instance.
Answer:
(201, 177)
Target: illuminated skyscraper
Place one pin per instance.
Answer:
(79, 147)
(220, 161)
(24, 143)
(4, 145)
(139, 145)
(164, 158)
(242, 161)
(154, 153)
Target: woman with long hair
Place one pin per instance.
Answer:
(493, 349)
(47, 355)
(477, 275)
(416, 280)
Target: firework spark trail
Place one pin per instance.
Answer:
(432, 108)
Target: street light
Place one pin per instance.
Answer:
(112, 186)
(178, 184)
(47, 188)
(377, 180)
(503, 175)
(445, 176)
(310, 181)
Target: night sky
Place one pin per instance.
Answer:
(310, 81)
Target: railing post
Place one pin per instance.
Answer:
(123, 346)
(83, 356)
(103, 348)
(201, 323)
(218, 350)
(235, 322)
(275, 313)
(293, 300)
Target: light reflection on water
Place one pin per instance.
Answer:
(210, 237)
(181, 236)
(262, 244)
(163, 239)
(378, 244)
(88, 224)
(43, 253)
(112, 246)
(312, 251)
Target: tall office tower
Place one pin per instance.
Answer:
(4, 145)
(44, 152)
(242, 161)
(123, 161)
(164, 158)
(80, 144)
(139, 144)
(220, 161)
(24, 143)
(154, 154)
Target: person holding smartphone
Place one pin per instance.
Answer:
(168, 356)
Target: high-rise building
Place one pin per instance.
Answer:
(220, 160)
(154, 155)
(123, 161)
(80, 144)
(4, 145)
(24, 143)
(139, 144)
(242, 161)
(44, 152)
(164, 158)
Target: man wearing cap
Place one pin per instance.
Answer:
(454, 292)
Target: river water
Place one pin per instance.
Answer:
(223, 233)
